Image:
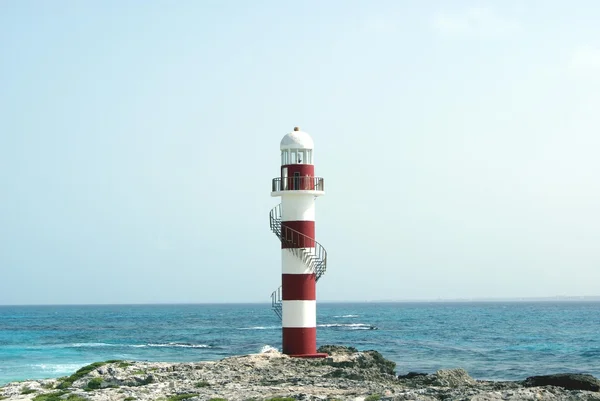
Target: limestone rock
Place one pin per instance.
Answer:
(412, 375)
(453, 378)
(336, 349)
(569, 381)
(347, 374)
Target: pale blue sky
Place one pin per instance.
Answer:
(459, 143)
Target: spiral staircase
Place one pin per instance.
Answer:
(305, 248)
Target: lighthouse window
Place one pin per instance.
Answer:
(301, 157)
(293, 158)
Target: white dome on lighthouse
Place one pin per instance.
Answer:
(297, 140)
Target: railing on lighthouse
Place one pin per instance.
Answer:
(298, 183)
(307, 249)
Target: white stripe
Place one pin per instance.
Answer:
(292, 264)
(299, 314)
(298, 208)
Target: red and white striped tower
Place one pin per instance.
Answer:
(303, 259)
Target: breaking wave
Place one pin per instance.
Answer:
(347, 316)
(65, 368)
(349, 326)
(268, 348)
(179, 345)
(260, 328)
(106, 345)
(344, 326)
(87, 345)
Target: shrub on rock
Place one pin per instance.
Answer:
(336, 349)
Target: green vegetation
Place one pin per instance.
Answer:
(282, 399)
(95, 383)
(129, 399)
(67, 382)
(336, 349)
(48, 385)
(138, 372)
(124, 364)
(203, 383)
(50, 396)
(56, 396)
(373, 397)
(218, 399)
(3, 397)
(385, 365)
(180, 397)
(27, 390)
(74, 397)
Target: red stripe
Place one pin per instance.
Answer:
(297, 234)
(299, 340)
(298, 287)
(299, 177)
(302, 169)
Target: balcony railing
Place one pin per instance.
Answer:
(298, 184)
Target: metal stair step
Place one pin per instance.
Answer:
(316, 261)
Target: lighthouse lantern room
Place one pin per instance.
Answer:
(303, 259)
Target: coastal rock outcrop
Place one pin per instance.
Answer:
(442, 378)
(569, 381)
(347, 374)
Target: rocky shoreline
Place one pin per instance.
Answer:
(346, 374)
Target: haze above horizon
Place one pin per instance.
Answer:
(458, 143)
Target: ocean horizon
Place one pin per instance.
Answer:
(491, 339)
(562, 298)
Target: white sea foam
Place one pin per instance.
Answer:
(72, 345)
(179, 345)
(349, 326)
(91, 345)
(260, 328)
(347, 316)
(268, 348)
(103, 345)
(63, 368)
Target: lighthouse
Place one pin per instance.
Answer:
(303, 259)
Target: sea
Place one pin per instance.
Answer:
(491, 340)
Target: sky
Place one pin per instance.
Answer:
(459, 143)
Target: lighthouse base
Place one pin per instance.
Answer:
(300, 342)
(317, 355)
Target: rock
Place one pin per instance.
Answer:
(411, 375)
(366, 365)
(346, 374)
(453, 378)
(336, 349)
(442, 378)
(569, 381)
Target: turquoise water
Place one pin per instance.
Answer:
(490, 340)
